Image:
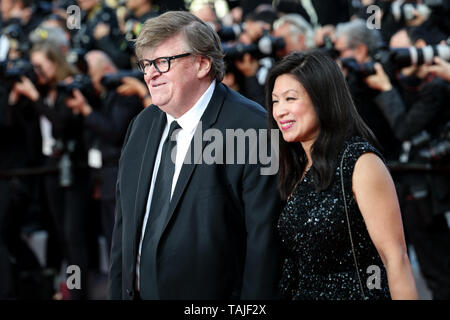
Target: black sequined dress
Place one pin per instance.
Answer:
(319, 261)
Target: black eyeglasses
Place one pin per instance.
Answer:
(162, 64)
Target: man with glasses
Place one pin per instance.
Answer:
(189, 229)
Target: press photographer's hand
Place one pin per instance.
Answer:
(379, 81)
(77, 102)
(441, 68)
(132, 86)
(23, 88)
(101, 30)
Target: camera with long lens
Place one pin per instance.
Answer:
(11, 71)
(405, 57)
(114, 80)
(405, 11)
(266, 46)
(398, 58)
(230, 33)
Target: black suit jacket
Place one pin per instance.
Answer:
(220, 240)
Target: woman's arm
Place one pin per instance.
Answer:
(375, 194)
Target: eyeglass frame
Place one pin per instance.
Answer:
(152, 62)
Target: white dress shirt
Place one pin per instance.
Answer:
(48, 141)
(188, 123)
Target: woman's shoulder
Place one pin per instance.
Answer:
(355, 146)
(352, 149)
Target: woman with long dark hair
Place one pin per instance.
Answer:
(341, 227)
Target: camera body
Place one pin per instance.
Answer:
(112, 81)
(425, 148)
(17, 39)
(230, 33)
(80, 82)
(437, 150)
(11, 71)
(328, 48)
(266, 46)
(361, 69)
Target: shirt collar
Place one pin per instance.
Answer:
(190, 119)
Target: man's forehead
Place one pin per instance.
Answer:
(166, 47)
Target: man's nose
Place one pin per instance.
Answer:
(151, 73)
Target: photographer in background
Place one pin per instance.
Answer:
(421, 106)
(138, 11)
(297, 33)
(249, 70)
(421, 99)
(21, 13)
(63, 146)
(100, 30)
(354, 40)
(108, 123)
(20, 143)
(431, 14)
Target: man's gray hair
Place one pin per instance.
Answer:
(199, 38)
(298, 26)
(357, 33)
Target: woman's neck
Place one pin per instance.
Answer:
(307, 148)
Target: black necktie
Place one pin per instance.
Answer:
(163, 183)
(159, 207)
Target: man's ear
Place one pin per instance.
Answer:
(204, 67)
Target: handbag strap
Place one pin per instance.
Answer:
(348, 224)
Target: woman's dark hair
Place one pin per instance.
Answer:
(338, 119)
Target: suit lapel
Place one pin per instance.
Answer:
(208, 119)
(146, 169)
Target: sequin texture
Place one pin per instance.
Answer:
(319, 261)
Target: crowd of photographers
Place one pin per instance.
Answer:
(69, 88)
